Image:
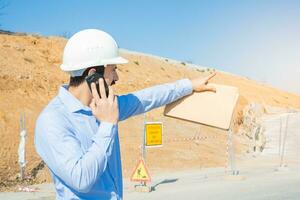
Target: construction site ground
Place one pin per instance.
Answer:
(261, 176)
(261, 182)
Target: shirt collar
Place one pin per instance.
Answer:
(71, 102)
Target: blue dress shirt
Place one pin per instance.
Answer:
(82, 153)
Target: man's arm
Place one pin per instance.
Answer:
(153, 97)
(62, 152)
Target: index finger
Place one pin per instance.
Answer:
(110, 93)
(94, 92)
(102, 88)
(210, 76)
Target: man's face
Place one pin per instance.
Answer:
(110, 74)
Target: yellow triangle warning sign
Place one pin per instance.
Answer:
(140, 173)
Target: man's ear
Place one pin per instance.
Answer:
(91, 71)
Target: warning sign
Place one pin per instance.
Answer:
(140, 173)
(153, 131)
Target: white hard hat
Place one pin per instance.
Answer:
(88, 48)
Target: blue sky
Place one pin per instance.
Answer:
(257, 39)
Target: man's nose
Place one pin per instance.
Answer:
(116, 77)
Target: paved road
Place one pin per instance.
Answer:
(262, 182)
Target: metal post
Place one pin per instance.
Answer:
(21, 150)
(284, 140)
(253, 124)
(280, 135)
(253, 140)
(230, 148)
(231, 152)
(143, 148)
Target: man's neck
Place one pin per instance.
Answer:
(80, 92)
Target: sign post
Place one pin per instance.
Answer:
(151, 137)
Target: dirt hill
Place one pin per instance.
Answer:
(30, 77)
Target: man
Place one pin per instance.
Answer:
(77, 133)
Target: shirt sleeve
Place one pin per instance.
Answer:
(62, 152)
(153, 97)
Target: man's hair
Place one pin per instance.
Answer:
(77, 80)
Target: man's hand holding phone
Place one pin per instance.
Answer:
(104, 108)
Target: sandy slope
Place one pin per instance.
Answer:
(30, 76)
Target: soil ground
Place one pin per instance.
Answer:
(30, 77)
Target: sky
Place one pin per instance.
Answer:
(258, 39)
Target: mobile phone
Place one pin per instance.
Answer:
(94, 78)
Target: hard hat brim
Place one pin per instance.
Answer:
(111, 61)
(115, 61)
